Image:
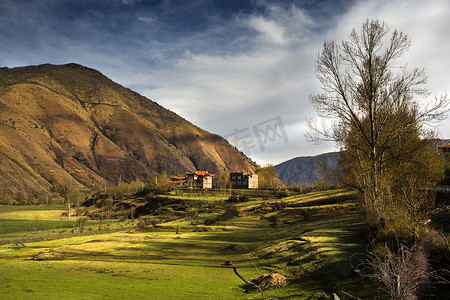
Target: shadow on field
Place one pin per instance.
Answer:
(309, 239)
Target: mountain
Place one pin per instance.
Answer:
(70, 125)
(305, 171)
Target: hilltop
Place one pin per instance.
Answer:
(71, 125)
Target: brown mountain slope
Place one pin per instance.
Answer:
(72, 125)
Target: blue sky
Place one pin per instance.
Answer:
(237, 68)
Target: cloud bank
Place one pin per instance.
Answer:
(226, 66)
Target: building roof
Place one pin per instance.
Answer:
(177, 181)
(200, 173)
(243, 174)
(444, 146)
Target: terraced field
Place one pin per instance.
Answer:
(307, 238)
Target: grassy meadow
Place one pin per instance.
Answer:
(308, 238)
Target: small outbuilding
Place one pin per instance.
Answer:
(243, 181)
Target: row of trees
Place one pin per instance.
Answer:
(61, 194)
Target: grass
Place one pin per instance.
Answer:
(311, 245)
(37, 222)
(200, 195)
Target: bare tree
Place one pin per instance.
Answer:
(371, 105)
(402, 273)
(36, 221)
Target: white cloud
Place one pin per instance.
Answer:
(270, 31)
(149, 20)
(272, 75)
(239, 70)
(426, 24)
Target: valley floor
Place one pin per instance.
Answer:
(308, 238)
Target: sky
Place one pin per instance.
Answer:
(243, 69)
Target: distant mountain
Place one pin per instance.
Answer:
(305, 171)
(73, 126)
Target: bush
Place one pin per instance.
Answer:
(82, 222)
(234, 198)
(438, 247)
(274, 220)
(243, 198)
(144, 222)
(210, 221)
(282, 194)
(229, 213)
(402, 272)
(7, 200)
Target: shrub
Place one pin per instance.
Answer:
(144, 222)
(437, 245)
(274, 220)
(6, 199)
(243, 198)
(82, 222)
(403, 272)
(230, 213)
(210, 221)
(233, 198)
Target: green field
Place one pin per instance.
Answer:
(308, 238)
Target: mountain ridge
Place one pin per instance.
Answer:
(71, 125)
(306, 171)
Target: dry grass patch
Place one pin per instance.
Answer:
(32, 215)
(265, 281)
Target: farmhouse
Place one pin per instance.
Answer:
(199, 180)
(194, 180)
(243, 181)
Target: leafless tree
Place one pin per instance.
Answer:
(401, 273)
(368, 104)
(36, 221)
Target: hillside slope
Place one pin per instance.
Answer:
(73, 126)
(305, 171)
